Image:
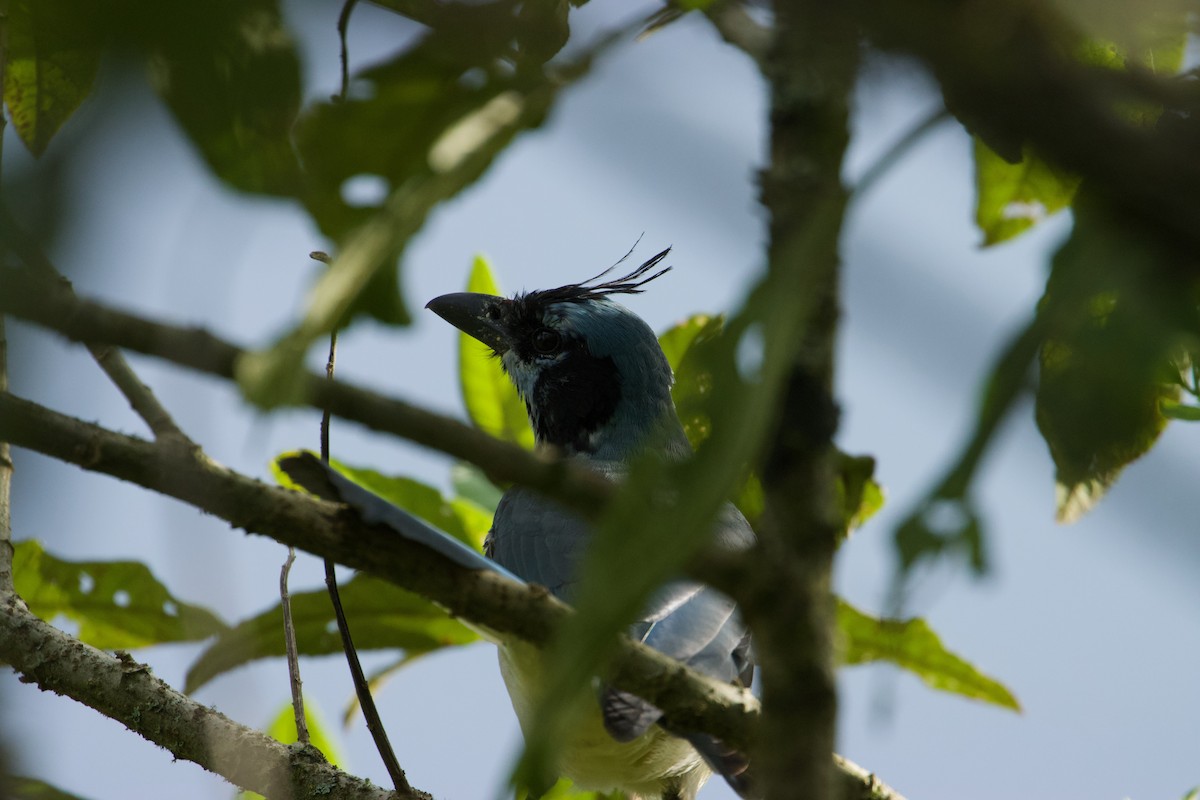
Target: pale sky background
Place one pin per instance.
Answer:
(1093, 626)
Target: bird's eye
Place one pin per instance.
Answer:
(545, 341)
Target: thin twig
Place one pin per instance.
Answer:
(362, 688)
(140, 398)
(898, 150)
(293, 653)
(342, 24)
(6, 464)
(126, 691)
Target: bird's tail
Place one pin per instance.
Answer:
(729, 763)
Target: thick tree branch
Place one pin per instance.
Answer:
(331, 531)
(789, 604)
(26, 297)
(126, 691)
(334, 532)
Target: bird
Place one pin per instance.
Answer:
(597, 389)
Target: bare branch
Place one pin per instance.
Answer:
(293, 652)
(140, 398)
(571, 484)
(331, 531)
(120, 688)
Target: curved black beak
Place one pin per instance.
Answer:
(478, 315)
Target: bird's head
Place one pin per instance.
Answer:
(591, 372)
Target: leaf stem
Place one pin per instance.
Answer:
(293, 653)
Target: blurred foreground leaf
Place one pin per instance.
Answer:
(229, 72)
(52, 57)
(911, 645)
(450, 105)
(117, 604)
(1119, 312)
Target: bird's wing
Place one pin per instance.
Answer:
(538, 540)
(325, 482)
(692, 623)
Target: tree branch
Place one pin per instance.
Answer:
(1010, 76)
(26, 297)
(789, 603)
(332, 531)
(126, 691)
(739, 29)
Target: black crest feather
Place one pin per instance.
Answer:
(587, 290)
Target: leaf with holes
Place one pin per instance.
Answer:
(53, 55)
(1011, 198)
(117, 604)
(490, 398)
(911, 645)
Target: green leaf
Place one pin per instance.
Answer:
(384, 617)
(33, 789)
(1173, 410)
(1194, 794)
(375, 682)
(911, 645)
(1012, 198)
(687, 347)
(861, 496)
(53, 55)
(229, 72)
(472, 485)
(459, 518)
(1117, 316)
(117, 604)
(283, 729)
(679, 338)
(491, 399)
